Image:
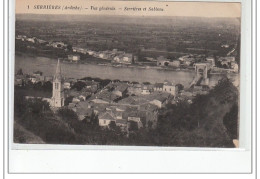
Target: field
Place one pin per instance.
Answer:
(148, 36)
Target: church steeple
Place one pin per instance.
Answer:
(58, 75)
(57, 89)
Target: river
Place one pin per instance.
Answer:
(47, 66)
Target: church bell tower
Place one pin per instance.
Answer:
(57, 88)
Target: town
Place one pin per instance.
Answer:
(117, 58)
(119, 102)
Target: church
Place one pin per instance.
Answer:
(57, 99)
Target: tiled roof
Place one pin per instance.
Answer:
(158, 85)
(121, 87)
(121, 121)
(107, 116)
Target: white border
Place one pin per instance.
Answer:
(141, 159)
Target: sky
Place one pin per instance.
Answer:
(191, 9)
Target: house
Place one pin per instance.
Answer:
(125, 58)
(147, 88)
(135, 89)
(100, 101)
(136, 119)
(225, 46)
(151, 59)
(120, 108)
(21, 37)
(158, 87)
(187, 60)
(175, 63)
(91, 86)
(58, 45)
(43, 42)
(71, 105)
(99, 108)
(122, 123)
(234, 66)
(20, 80)
(90, 52)
(211, 60)
(226, 64)
(159, 103)
(79, 50)
(83, 113)
(160, 100)
(76, 100)
(31, 40)
(162, 61)
(227, 59)
(40, 78)
(105, 55)
(73, 58)
(145, 91)
(105, 119)
(66, 85)
(121, 90)
(82, 97)
(37, 73)
(48, 78)
(48, 100)
(33, 79)
(170, 88)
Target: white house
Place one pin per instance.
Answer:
(74, 58)
(106, 118)
(31, 40)
(67, 85)
(145, 91)
(211, 60)
(170, 88)
(175, 63)
(234, 66)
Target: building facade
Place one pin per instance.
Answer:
(170, 88)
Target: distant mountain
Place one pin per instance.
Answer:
(126, 19)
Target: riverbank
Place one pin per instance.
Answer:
(102, 62)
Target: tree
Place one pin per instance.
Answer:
(68, 100)
(20, 72)
(180, 87)
(146, 83)
(69, 47)
(133, 126)
(67, 114)
(230, 121)
(112, 125)
(37, 106)
(47, 86)
(94, 121)
(224, 91)
(104, 82)
(79, 85)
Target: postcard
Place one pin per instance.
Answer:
(127, 73)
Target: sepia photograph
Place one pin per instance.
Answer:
(163, 74)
